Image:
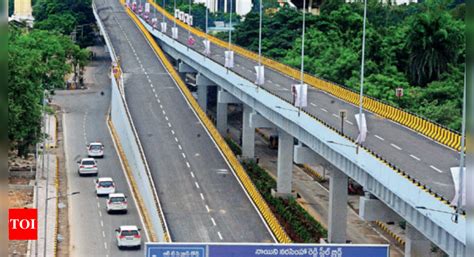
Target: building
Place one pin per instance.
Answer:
(23, 12)
(241, 7)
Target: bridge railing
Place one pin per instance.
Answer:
(420, 124)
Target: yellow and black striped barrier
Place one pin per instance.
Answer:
(428, 128)
(391, 233)
(256, 197)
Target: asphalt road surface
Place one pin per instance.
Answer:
(419, 156)
(91, 227)
(201, 198)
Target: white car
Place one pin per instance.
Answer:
(128, 236)
(95, 149)
(104, 186)
(87, 166)
(117, 202)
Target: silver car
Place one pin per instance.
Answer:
(87, 166)
(95, 149)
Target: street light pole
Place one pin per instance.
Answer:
(361, 95)
(302, 53)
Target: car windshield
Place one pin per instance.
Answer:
(105, 183)
(95, 147)
(129, 232)
(117, 199)
(88, 163)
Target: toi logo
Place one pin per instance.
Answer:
(22, 224)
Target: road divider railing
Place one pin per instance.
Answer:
(130, 151)
(413, 121)
(256, 197)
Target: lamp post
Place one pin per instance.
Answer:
(361, 95)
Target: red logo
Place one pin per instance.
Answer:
(22, 224)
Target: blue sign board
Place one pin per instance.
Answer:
(264, 250)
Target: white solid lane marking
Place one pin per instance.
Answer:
(187, 164)
(184, 155)
(396, 146)
(335, 115)
(179, 146)
(414, 157)
(348, 121)
(379, 137)
(202, 196)
(315, 105)
(324, 110)
(192, 174)
(207, 208)
(438, 170)
(197, 185)
(213, 222)
(220, 236)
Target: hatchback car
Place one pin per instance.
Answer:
(95, 149)
(128, 236)
(104, 186)
(87, 166)
(117, 202)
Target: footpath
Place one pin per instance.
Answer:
(46, 194)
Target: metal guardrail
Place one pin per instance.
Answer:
(420, 124)
(256, 197)
(117, 77)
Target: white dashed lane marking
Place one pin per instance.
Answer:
(197, 185)
(179, 146)
(335, 115)
(396, 146)
(202, 196)
(379, 137)
(315, 105)
(220, 236)
(324, 110)
(207, 208)
(213, 222)
(192, 174)
(184, 155)
(414, 157)
(349, 122)
(187, 164)
(438, 170)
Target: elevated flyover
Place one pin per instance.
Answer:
(404, 166)
(201, 199)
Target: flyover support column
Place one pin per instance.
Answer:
(223, 99)
(285, 165)
(372, 209)
(416, 245)
(202, 84)
(337, 206)
(248, 134)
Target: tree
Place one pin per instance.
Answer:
(434, 40)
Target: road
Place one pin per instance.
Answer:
(201, 198)
(419, 156)
(84, 120)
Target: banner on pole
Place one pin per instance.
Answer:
(186, 17)
(181, 15)
(163, 27)
(191, 40)
(260, 74)
(147, 7)
(456, 174)
(154, 22)
(174, 32)
(362, 124)
(134, 6)
(229, 59)
(190, 20)
(207, 47)
(300, 95)
(176, 13)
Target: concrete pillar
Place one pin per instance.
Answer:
(184, 68)
(416, 245)
(203, 85)
(221, 118)
(248, 134)
(337, 207)
(285, 164)
(372, 209)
